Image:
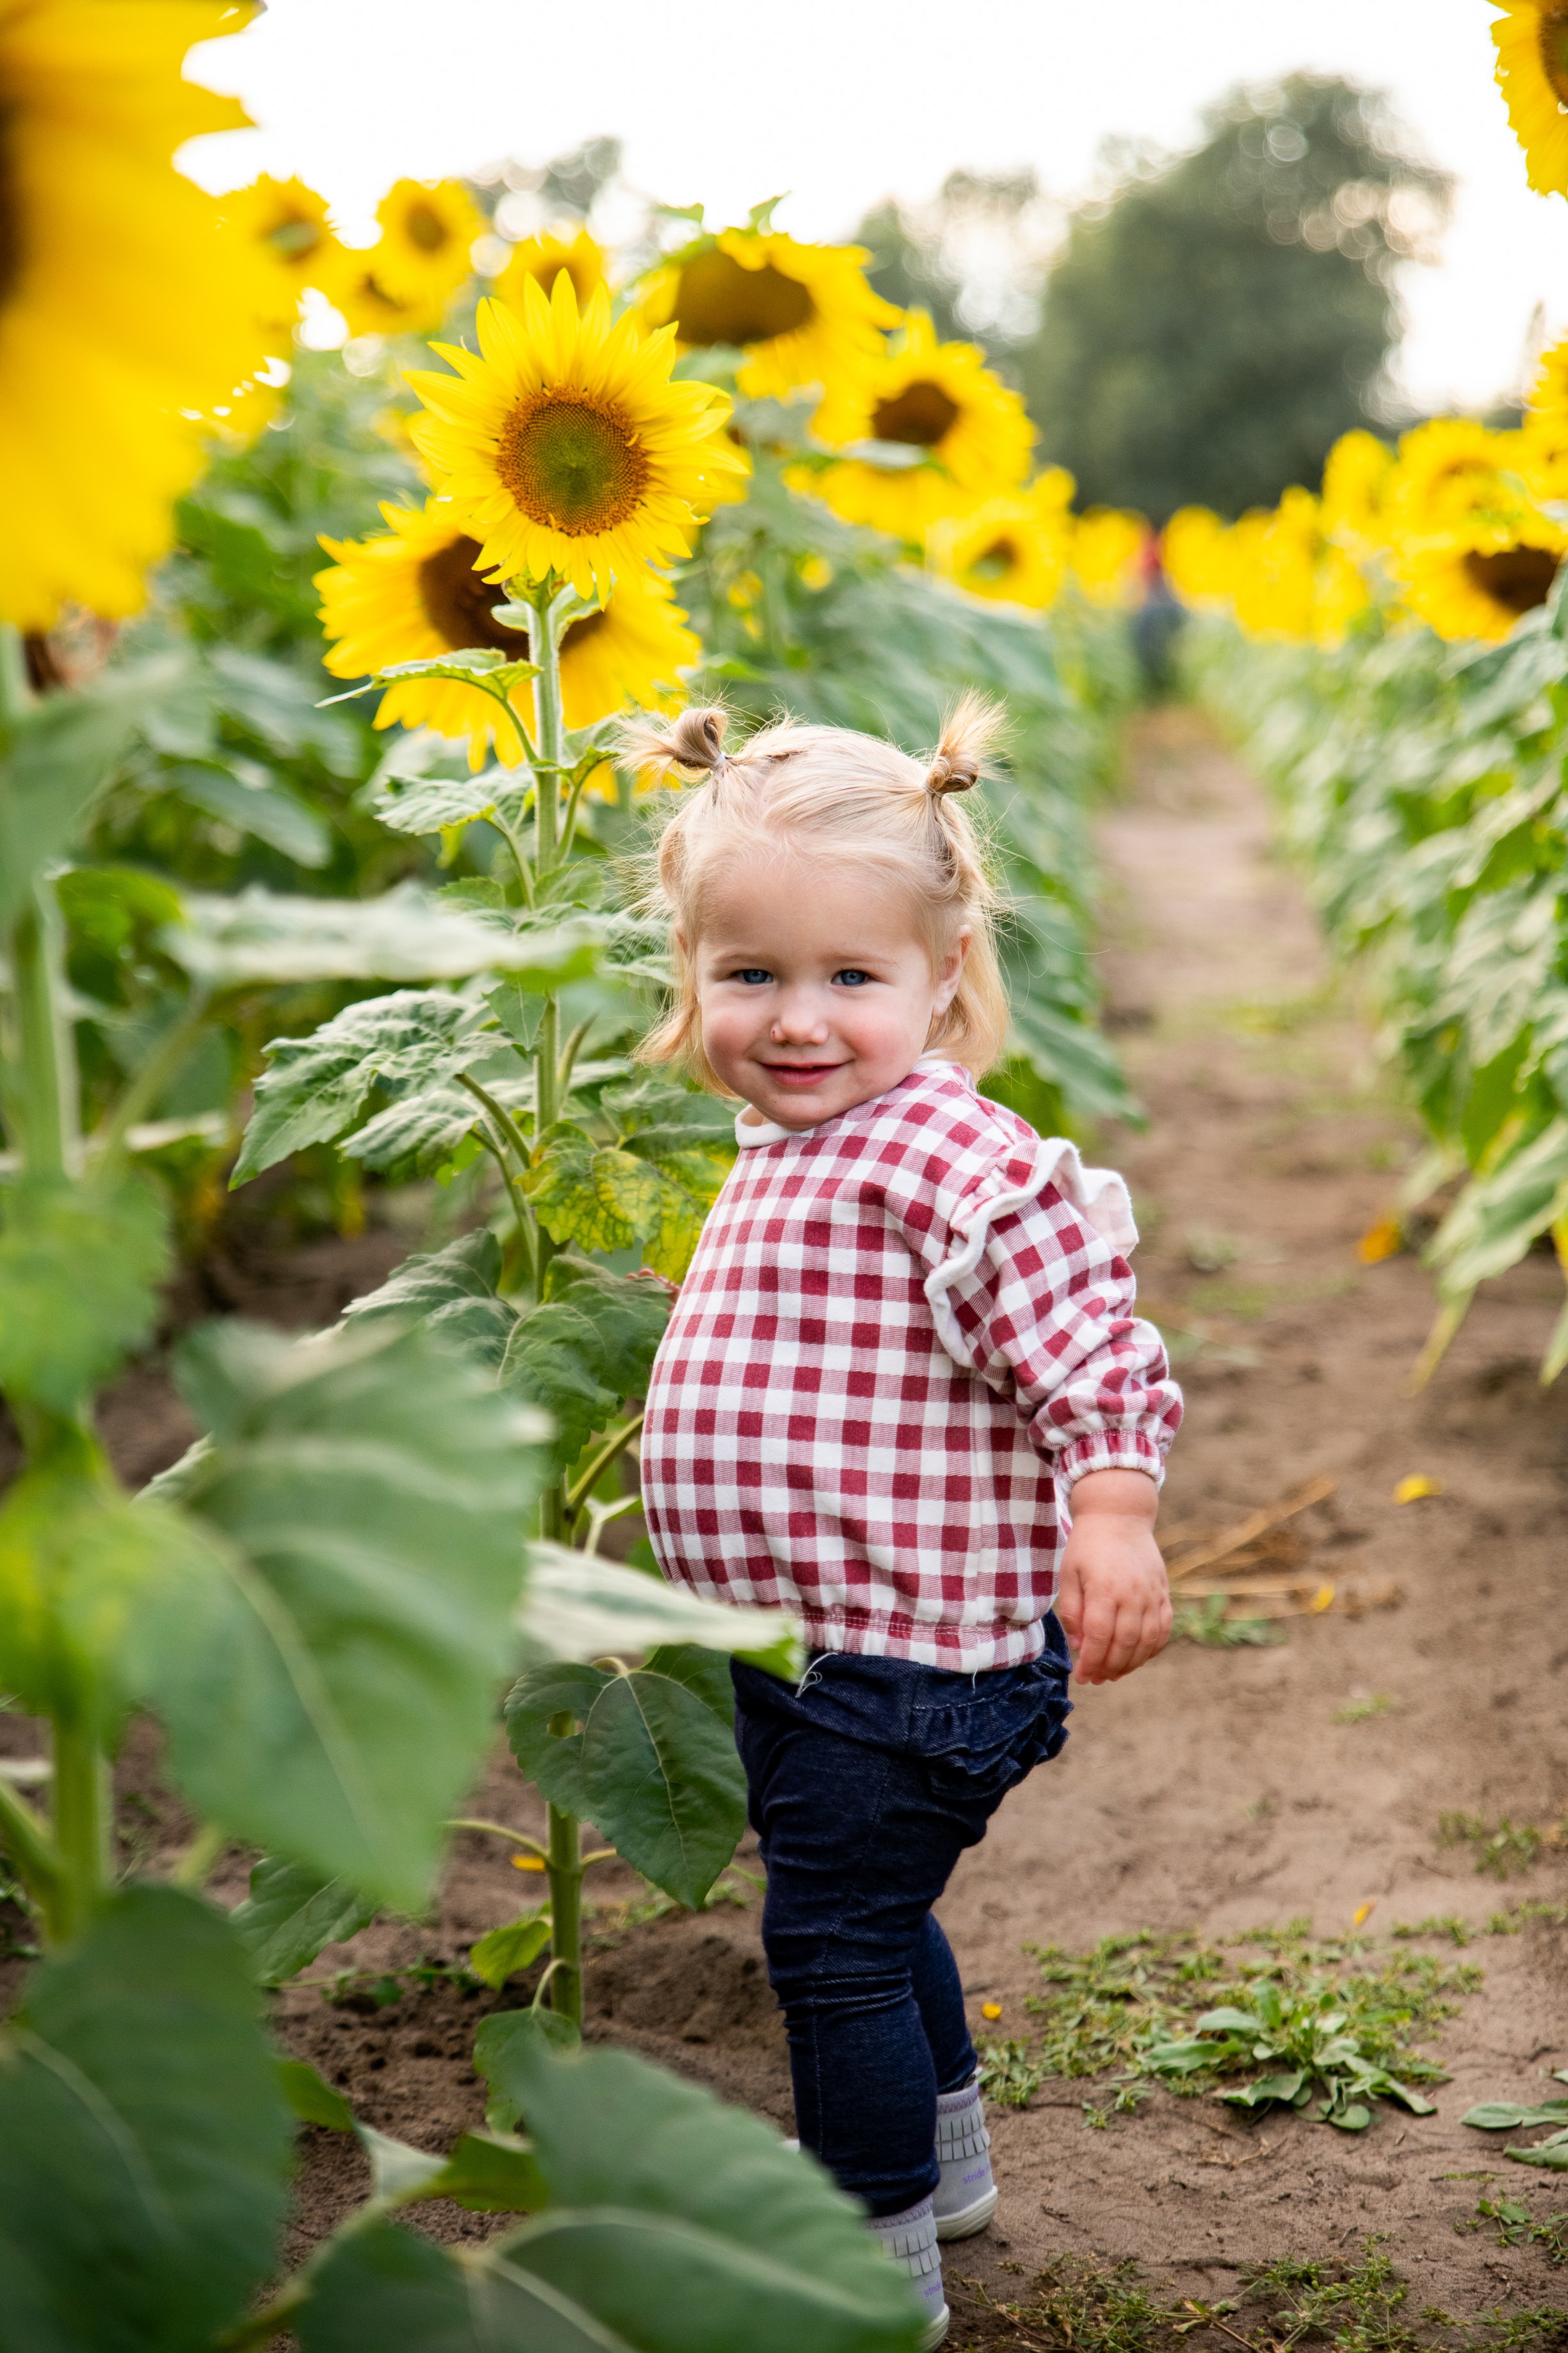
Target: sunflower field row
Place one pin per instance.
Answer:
(1391, 652)
(246, 920)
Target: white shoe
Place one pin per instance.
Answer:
(910, 2239)
(965, 2197)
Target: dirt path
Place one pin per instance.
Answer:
(1218, 1790)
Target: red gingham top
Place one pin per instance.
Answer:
(905, 1333)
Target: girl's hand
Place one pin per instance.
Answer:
(1114, 1602)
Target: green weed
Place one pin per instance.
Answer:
(1278, 2015)
(1502, 1847)
(1445, 1924)
(1514, 2226)
(1204, 1622)
(1519, 1917)
(1364, 1708)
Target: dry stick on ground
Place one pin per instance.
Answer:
(1247, 1531)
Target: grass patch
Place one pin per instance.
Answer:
(1076, 2305)
(1275, 2015)
(1365, 1708)
(1501, 1847)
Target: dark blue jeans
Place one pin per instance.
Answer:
(867, 1783)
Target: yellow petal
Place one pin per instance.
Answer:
(1384, 1239)
(1412, 1490)
(1363, 1913)
(992, 2010)
(528, 1862)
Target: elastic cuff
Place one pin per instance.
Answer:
(1119, 1450)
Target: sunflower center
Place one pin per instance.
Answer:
(458, 602)
(425, 229)
(996, 562)
(720, 302)
(572, 462)
(1517, 578)
(1553, 38)
(295, 239)
(921, 414)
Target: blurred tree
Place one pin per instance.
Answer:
(1214, 323)
(974, 257)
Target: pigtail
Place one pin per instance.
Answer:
(693, 742)
(968, 732)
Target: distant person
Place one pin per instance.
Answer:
(1157, 625)
(907, 1339)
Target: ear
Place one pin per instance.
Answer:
(952, 971)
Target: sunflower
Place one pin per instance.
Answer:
(544, 258)
(801, 313)
(421, 256)
(126, 308)
(1013, 548)
(1444, 473)
(1108, 545)
(1355, 484)
(1195, 553)
(1531, 42)
(286, 223)
(1484, 576)
(413, 592)
(967, 436)
(1543, 439)
(367, 305)
(564, 447)
(1287, 580)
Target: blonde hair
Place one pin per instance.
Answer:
(833, 792)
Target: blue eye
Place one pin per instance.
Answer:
(852, 977)
(753, 974)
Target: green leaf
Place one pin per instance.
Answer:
(399, 2172)
(61, 753)
(606, 1198)
(431, 804)
(1512, 2116)
(328, 1698)
(503, 1952)
(266, 935)
(452, 1292)
(654, 1768)
(578, 1606)
(1551, 2155)
(291, 1913)
(260, 807)
(489, 2175)
(628, 1313)
(316, 1087)
(553, 1760)
(687, 2226)
(553, 1358)
(79, 1566)
(385, 2287)
(706, 1673)
(486, 666)
(79, 1270)
(143, 2139)
(497, 2056)
(311, 2100)
(1266, 2089)
(663, 1782)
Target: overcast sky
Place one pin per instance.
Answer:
(843, 102)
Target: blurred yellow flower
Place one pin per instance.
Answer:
(1531, 41)
(127, 308)
(367, 305)
(415, 593)
(542, 258)
(1447, 472)
(286, 223)
(991, 2009)
(1479, 580)
(1014, 549)
(802, 314)
(1355, 481)
(967, 436)
(421, 256)
(1289, 581)
(1384, 1239)
(1417, 1488)
(563, 445)
(1108, 544)
(1195, 549)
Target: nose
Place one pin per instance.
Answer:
(798, 1020)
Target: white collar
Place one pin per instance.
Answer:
(751, 1133)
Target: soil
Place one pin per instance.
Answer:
(1218, 1790)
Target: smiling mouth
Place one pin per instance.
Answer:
(803, 1073)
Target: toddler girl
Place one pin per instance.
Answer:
(907, 1339)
